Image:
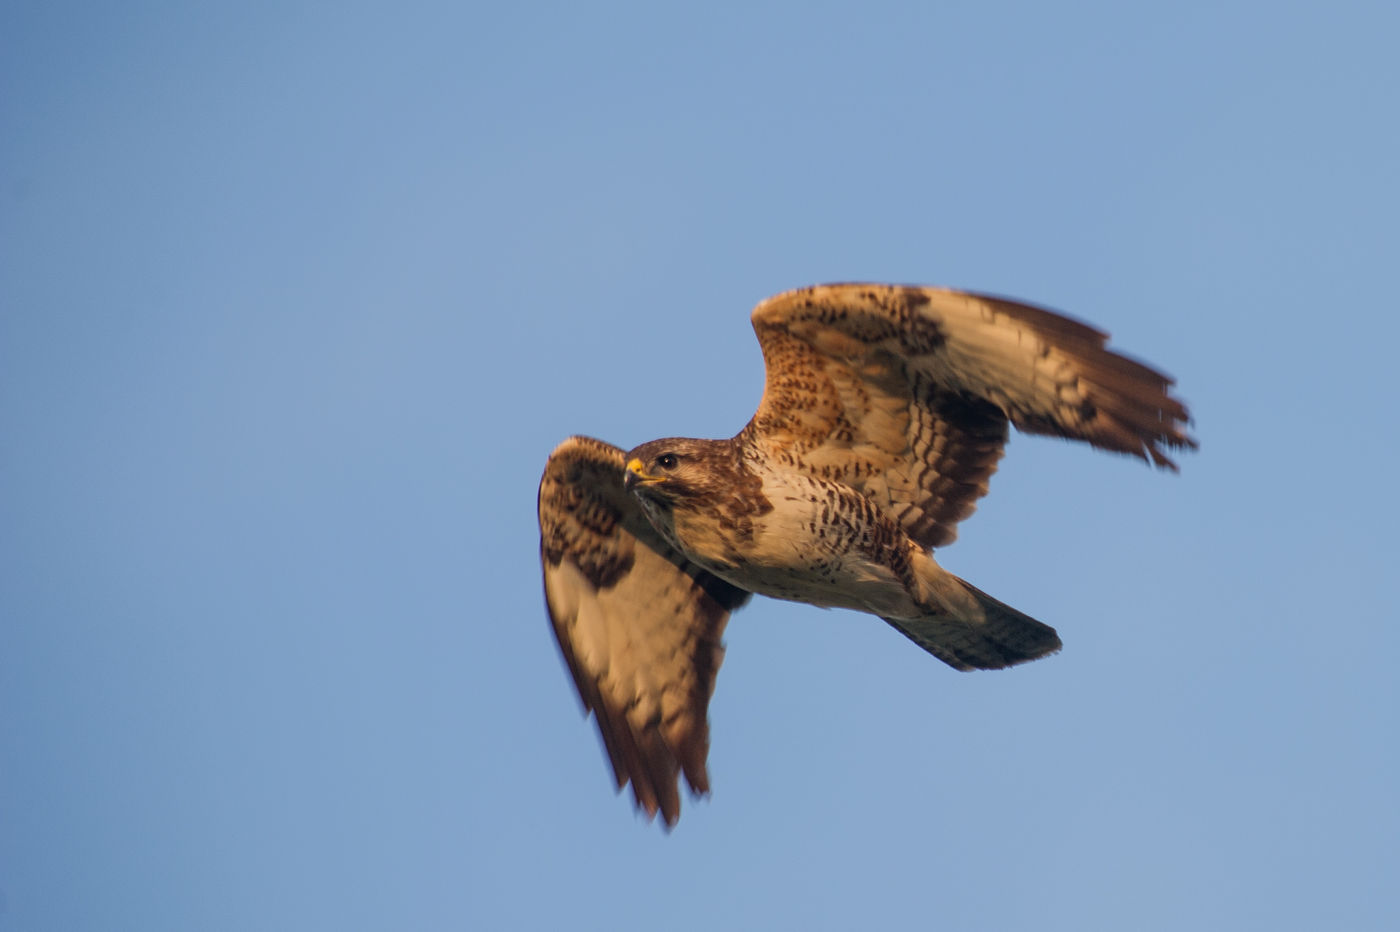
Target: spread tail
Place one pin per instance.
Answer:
(977, 632)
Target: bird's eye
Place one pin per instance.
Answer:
(667, 461)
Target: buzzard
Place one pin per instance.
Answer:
(884, 413)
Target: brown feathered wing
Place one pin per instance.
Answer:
(638, 624)
(905, 393)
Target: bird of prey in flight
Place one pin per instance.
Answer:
(885, 410)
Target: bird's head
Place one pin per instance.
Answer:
(669, 470)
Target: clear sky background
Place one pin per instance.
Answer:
(296, 298)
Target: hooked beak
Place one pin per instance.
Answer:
(636, 475)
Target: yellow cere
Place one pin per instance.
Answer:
(635, 466)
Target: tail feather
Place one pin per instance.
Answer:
(981, 633)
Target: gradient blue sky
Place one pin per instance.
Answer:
(296, 298)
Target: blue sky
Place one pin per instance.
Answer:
(296, 298)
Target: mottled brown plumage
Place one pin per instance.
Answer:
(884, 415)
(646, 674)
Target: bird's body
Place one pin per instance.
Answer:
(813, 540)
(825, 544)
(802, 538)
(884, 414)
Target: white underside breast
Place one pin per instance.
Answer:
(813, 547)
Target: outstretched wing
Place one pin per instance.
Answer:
(638, 624)
(905, 393)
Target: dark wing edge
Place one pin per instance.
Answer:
(638, 625)
(1120, 404)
